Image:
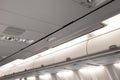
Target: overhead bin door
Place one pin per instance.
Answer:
(40, 24)
(75, 51)
(104, 42)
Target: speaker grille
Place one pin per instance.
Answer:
(13, 31)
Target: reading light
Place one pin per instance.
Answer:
(21, 40)
(9, 38)
(112, 23)
(20, 61)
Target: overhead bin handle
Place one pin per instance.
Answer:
(113, 47)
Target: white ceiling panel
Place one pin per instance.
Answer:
(9, 19)
(57, 12)
(10, 47)
(7, 48)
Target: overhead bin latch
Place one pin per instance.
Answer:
(113, 47)
(91, 3)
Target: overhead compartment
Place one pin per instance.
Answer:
(110, 40)
(54, 23)
(75, 51)
(75, 29)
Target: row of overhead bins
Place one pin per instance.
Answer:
(48, 23)
(107, 72)
(96, 43)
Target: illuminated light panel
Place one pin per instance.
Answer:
(117, 65)
(65, 73)
(11, 64)
(31, 58)
(46, 76)
(6, 66)
(31, 78)
(22, 79)
(112, 23)
(112, 20)
(64, 46)
(91, 69)
(17, 61)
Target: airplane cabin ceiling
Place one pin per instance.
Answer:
(38, 19)
(49, 12)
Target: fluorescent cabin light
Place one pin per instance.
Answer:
(65, 73)
(22, 79)
(17, 62)
(31, 58)
(52, 50)
(11, 64)
(6, 66)
(31, 78)
(45, 77)
(91, 69)
(117, 65)
(112, 20)
(112, 23)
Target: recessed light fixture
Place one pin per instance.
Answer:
(112, 24)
